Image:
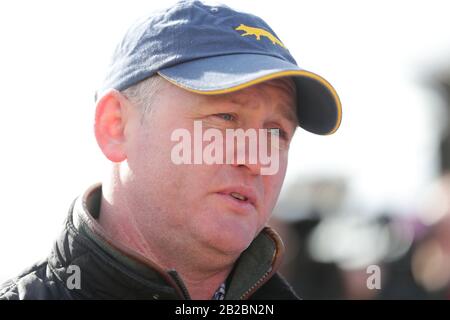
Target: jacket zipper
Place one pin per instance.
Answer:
(180, 283)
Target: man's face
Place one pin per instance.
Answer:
(192, 203)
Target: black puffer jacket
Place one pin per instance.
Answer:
(86, 264)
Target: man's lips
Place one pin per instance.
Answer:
(242, 194)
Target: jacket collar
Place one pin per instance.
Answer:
(110, 270)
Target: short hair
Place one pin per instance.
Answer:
(142, 93)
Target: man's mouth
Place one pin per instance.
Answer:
(242, 199)
(238, 196)
(242, 194)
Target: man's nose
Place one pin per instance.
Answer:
(254, 169)
(245, 153)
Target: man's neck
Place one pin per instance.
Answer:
(201, 273)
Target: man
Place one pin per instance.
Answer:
(172, 220)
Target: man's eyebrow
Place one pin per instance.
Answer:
(288, 113)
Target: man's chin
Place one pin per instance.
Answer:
(230, 242)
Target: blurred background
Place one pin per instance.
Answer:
(375, 193)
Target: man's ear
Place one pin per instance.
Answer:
(110, 120)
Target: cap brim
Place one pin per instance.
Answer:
(318, 105)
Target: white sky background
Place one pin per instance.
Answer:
(53, 55)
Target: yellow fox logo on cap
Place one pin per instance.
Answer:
(257, 32)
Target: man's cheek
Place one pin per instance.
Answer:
(274, 187)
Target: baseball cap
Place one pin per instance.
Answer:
(213, 49)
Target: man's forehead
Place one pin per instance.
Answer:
(284, 82)
(287, 103)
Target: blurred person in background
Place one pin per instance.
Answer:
(431, 258)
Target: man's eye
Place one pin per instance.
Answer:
(225, 116)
